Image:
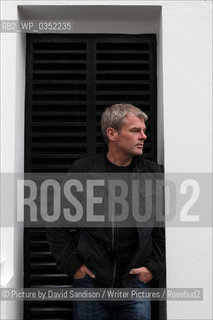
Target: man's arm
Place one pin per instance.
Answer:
(63, 242)
(62, 246)
(156, 262)
(155, 266)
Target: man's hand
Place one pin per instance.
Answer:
(82, 272)
(143, 274)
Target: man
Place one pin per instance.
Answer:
(113, 257)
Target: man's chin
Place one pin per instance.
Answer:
(138, 152)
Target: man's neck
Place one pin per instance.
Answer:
(119, 160)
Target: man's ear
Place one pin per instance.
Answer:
(112, 134)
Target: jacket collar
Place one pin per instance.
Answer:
(99, 164)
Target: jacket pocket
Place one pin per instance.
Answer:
(95, 257)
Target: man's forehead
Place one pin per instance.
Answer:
(132, 120)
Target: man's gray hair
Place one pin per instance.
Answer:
(114, 116)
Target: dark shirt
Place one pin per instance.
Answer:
(126, 239)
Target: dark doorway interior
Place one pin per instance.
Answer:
(70, 79)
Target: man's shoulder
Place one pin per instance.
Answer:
(148, 166)
(87, 164)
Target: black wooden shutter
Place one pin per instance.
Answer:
(70, 79)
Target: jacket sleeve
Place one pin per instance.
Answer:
(62, 245)
(156, 261)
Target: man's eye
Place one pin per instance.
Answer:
(138, 130)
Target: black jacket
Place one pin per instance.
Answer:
(93, 246)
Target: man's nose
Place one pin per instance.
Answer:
(143, 135)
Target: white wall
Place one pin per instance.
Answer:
(184, 105)
(187, 75)
(12, 129)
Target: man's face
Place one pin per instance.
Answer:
(130, 139)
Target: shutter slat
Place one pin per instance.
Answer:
(123, 81)
(123, 72)
(61, 124)
(57, 156)
(122, 61)
(123, 92)
(59, 92)
(58, 134)
(59, 71)
(58, 113)
(52, 81)
(55, 145)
